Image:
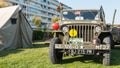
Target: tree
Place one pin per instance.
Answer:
(37, 21)
(55, 18)
(4, 4)
(59, 7)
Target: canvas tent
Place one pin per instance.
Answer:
(15, 31)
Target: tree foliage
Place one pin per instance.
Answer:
(36, 20)
(59, 7)
(55, 18)
(3, 4)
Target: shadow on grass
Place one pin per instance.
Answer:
(84, 59)
(7, 52)
(40, 45)
(14, 51)
(115, 56)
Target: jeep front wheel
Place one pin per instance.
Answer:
(55, 54)
(106, 55)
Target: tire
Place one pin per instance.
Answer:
(106, 59)
(108, 40)
(55, 54)
(106, 55)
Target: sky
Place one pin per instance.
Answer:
(108, 5)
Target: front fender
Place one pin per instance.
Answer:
(105, 34)
(57, 33)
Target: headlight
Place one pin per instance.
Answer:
(98, 29)
(65, 29)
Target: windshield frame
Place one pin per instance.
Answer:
(81, 11)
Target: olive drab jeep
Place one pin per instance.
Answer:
(81, 32)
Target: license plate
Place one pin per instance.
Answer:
(85, 52)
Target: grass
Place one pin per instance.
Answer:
(38, 57)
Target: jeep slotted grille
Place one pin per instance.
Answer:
(87, 32)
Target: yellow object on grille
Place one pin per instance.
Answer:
(73, 32)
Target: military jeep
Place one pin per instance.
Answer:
(81, 32)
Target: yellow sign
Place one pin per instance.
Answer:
(73, 32)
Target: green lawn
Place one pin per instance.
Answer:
(38, 57)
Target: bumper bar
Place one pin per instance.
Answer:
(91, 47)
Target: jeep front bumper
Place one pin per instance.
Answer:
(90, 46)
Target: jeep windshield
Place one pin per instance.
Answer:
(80, 15)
